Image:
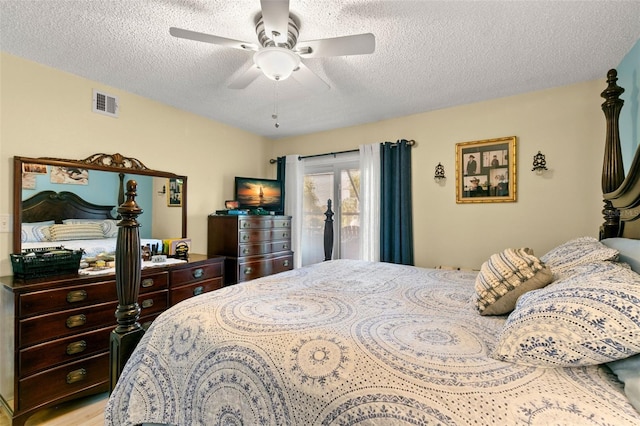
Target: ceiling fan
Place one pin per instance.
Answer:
(279, 54)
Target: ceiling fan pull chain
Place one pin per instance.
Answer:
(275, 103)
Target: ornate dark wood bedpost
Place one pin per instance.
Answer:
(612, 169)
(128, 270)
(328, 232)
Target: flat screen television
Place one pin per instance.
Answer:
(253, 193)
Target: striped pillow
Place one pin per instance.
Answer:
(76, 231)
(505, 277)
(109, 226)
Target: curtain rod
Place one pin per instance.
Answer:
(273, 161)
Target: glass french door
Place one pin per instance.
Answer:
(338, 181)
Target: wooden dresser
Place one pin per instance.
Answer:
(55, 333)
(254, 246)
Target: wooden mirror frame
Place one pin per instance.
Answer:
(102, 162)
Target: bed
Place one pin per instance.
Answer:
(547, 339)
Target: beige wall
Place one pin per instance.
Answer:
(565, 123)
(47, 113)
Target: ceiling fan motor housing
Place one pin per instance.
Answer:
(267, 40)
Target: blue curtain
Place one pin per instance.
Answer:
(281, 170)
(396, 222)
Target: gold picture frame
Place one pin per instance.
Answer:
(486, 171)
(174, 194)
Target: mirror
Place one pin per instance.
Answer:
(101, 180)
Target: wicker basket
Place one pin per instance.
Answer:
(45, 262)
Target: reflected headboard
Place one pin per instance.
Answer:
(56, 206)
(621, 194)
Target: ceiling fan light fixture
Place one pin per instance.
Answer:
(277, 63)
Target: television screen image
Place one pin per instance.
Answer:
(252, 193)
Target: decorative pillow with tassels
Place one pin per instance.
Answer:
(505, 277)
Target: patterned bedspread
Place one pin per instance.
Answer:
(343, 343)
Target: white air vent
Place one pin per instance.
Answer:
(105, 104)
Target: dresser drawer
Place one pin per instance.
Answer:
(45, 355)
(281, 264)
(151, 303)
(181, 293)
(260, 235)
(145, 322)
(254, 236)
(245, 250)
(282, 223)
(277, 246)
(154, 282)
(281, 234)
(39, 302)
(196, 273)
(254, 222)
(64, 380)
(264, 222)
(60, 324)
(251, 270)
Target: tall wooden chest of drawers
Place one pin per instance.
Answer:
(54, 344)
(254, 246)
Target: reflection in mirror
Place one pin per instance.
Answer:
(98, 181)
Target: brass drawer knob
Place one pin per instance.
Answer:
(147, 303)
(76, 376)
(285, 263)
(245, 237)
(147, 282)
(246, 225)
(76, 347)
(198, 290)
(76, 320)
(76, 296)
(246, 251)
(248, 270)
(284, 246)
(198, 273)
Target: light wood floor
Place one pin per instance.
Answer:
(87, 411)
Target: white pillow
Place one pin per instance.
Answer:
(110, 228)
(578, 251)
(589, 318)
(35, 232)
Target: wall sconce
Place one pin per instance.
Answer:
(164, 190)
(439, 175)
(539, 163)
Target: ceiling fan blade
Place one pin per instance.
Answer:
(245, 78)
(309, 79)
(208, 38)
(359, 44)
(275, 15)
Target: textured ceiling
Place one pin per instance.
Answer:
(429, 54)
